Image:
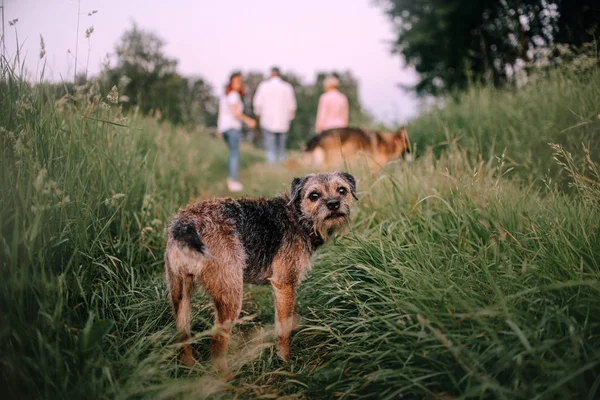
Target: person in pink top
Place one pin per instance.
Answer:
(333, 107)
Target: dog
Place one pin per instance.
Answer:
(330, 148)
(223, 243)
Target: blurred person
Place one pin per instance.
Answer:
(333, 107)
(229, 124)
(275, 105)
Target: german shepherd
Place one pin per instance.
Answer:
(330, 148)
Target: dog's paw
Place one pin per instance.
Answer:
(284, 355)
(187, 359)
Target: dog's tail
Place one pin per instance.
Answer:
(185, 231)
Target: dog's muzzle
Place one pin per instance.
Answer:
(335, 215)
(333, 204)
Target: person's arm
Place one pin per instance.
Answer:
(237, 113)
(320, 115)
(292, 103)
(257, 102)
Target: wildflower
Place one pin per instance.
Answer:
(104, 106)
(38, 184)
(113, 200)
(156, 222)
(145, 232)
(62, 102)
(88, 32)
(124, 81)
(93, 88)
(121, 120)
(38, 209)
(23, 105)
(12, 136)
(147, 204)
(50, 188)
(113, 95)
(42, 47)
(47, 189)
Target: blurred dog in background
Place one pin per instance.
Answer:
(331, 148)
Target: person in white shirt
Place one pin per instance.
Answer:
(275, 105)
(229, 124)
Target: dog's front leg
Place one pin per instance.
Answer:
(285, 296)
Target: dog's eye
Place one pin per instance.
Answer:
(342, 191)
(314, 196)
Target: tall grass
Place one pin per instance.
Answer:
(558, 106)
(82, 225)
(456, 280)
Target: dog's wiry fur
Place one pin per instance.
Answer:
(222, 243)
(334, 146)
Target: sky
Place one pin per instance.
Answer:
(210, 38)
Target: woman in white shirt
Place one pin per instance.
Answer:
(230, 125)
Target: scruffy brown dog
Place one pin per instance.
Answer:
(222, 243)
(333, 146)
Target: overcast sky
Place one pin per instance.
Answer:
(210, 38)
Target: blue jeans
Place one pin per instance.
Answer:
(232, 137)
(274, 143)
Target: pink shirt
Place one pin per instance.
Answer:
(332, 111)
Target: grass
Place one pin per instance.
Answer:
(457, 280)
(559, 106)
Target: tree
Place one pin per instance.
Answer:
(251, 81)
(200, 105)
(150, 74)
(452, 43)
(148, 78)
(578, 22)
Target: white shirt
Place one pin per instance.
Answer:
(226, 120)
(275, 104)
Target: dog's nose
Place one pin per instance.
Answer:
(333, 204)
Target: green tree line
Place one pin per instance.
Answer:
(454, 43)
(148, 80)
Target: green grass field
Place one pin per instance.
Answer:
(473, 272)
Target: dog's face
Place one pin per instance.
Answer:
(325, 200)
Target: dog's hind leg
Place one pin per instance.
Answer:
(180, 293)
(228, 304)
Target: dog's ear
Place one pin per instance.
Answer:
(351, 181)
(402, 136)
(402, 140)
(296, 188)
